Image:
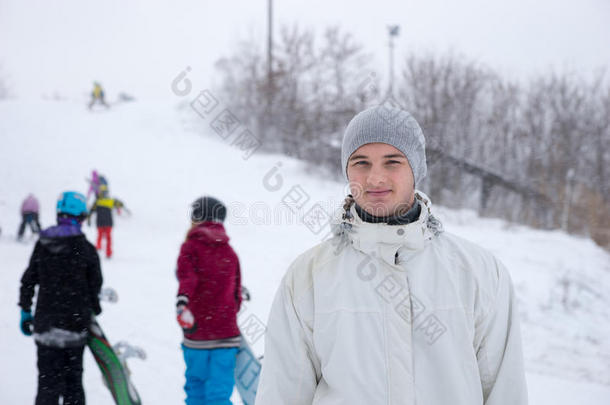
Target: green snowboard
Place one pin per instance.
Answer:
(113, 367)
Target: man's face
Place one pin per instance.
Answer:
(381, 179)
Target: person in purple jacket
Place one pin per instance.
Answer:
(209, 297)
(29, 216)
(95, 184)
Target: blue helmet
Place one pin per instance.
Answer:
(72, 203)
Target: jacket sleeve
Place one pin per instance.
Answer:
(118, 204)
(186, 272)
(498, 344)
(95, 280)
(29, 280)
(291, 371)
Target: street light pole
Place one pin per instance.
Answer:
(269, 41)
(393, 31)
(269, 92)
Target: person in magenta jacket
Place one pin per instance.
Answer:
(209, 297)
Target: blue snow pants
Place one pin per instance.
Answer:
(209, 375)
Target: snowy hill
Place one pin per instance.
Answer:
(157, 165)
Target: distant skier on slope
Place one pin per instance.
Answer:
(95, 182)
(66, 269)
(102, 207)
(97, 96)
(209, 297)
(29, 216)
(391, 309)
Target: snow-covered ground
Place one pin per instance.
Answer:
(157, 165)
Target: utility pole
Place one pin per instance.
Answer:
(269, 92)
(393, 31)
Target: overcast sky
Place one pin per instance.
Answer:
(140, 46)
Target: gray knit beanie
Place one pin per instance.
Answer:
(389, 125)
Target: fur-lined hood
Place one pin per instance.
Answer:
(349, 228)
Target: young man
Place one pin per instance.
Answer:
(66, 268)
(209, 297)
(29, 216)
(392, 310)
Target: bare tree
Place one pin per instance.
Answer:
(315, 90)
(444, 94)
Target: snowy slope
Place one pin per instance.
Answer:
(157, 167)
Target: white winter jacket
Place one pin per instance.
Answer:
(394, 314)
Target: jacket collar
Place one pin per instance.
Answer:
(383, 240)
(410, 216)
(210, 232)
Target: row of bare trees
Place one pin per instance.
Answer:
(550, 135)
(546, 140)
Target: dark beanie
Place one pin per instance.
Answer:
(208, 209)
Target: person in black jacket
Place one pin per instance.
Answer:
(66, 268)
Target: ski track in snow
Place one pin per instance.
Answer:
(157, 167)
